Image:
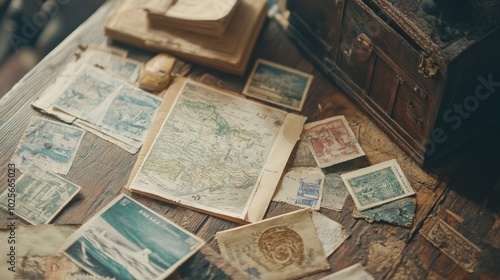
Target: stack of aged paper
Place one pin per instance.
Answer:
(209, 17)
(95, 93)
(215, 152)
(229, 53)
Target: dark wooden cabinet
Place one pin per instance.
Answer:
(396, 60)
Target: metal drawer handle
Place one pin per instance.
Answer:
(427, 66)
(364, 47)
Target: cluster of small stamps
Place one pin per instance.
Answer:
(98, 93)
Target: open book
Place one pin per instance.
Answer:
(230, 53)
(208, 17)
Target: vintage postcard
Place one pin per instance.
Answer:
(334, 192)
(377, 184)
(213, 152)
(52, 145)
(45, 103)
(131, 113)
(281, 247)
(301, 186)
(332, 141)
(108, 107)
(353, 272)
(451, 243)
(127, 240)
(40, 194)
(330, 233)
(400, 212)
(278, 85)
(88, 94)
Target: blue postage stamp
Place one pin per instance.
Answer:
(308, 193)
(377, 184)
(40, 194)
(277, 84)
(127, 240)
(49, 144)
(131, 113)
(302, 186)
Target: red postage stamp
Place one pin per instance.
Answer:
(332, 141)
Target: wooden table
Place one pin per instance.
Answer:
(462, 189)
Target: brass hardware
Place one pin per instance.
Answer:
(427, 66)
(364, 47)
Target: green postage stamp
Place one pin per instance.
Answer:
(377, 184)
(39, 194)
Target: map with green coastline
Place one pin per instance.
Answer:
(211, 150)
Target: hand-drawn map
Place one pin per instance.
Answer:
(211, 151)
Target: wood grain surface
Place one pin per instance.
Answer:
(465, 184)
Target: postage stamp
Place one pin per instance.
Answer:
(330, 233)
(281, 247)
(301, 186)
(50, 144)
(277, 84)
(334, 192)
(451, 243)
(40, 194)
(88, 93)
(131, 113)
(127, 240)
(377, 184)
(332, 141)
(400, 212)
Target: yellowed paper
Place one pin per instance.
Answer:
(208, 10)
(214, 149)
(31, 241)
(281, 247)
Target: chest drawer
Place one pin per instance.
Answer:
(392, 62)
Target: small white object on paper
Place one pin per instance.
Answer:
(330, 233)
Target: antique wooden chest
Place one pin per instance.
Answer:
(427, 71)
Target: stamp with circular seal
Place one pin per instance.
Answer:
(282, 246)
